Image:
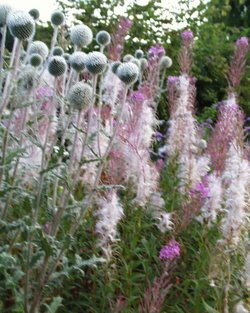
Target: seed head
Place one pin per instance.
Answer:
(81, 35)
(35, 14)
(66, 57)
(77, 61)
(139, 54)
(103, 38)
(57, 66)
(57, 18)
(58, 51)
(80, 96)
(95, 62)
(27, 79)
(114, 66)
(40, 48)
(35, 59)
(21, 24)
(165, 62)
(128, 58)
(128, 73)
(5, 9)
(144, 64)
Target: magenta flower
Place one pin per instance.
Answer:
(170, 251)
(137, 96)
(173, 79)
(242, 42)
(187, 35)
(156, 51)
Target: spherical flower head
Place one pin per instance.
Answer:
(57, 18)
(27, 79)
(57, 66)
(35, 14)
(170, 251)
(136, 62)
(58, 51)
(165, 62)
(144, 64)
(242, 42)
(21, 24)
(128, 58)
(128, 73)
(80, 96)
(5, 9)
(66, 57)
(95, 62)
(139, 54)
(156, 52)
(40, 48)
(77, 61)
(35, 59)
(103, 38)
(114, 66)
(81, 35)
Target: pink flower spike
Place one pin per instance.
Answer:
(170, 251)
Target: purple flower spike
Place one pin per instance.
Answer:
(156, 51)
(242, 42)
(187, 35)
(171, 251)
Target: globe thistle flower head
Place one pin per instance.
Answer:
(81, 35)
(165, 62)
(80, 96)
(58, 51)
(35, 14)
(128, 73)
(66, 57)
(136, 62)
(144, 64)
(27, 79)
(77, 61)
(35, 59)
(5, 9)
(21, 24)
(57, 18)
(127, 58)
(103, 38)
(40, 48)
(139, 54)
(57, 66)
(95, 62)
(114, 66)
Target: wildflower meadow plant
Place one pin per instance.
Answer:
(77, 131)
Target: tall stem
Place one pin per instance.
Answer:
(4, 32)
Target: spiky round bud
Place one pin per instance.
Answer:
(95, 62)
(127, 58)
(136, 62)
(114, 66)
(58, 51)
(80, 96)
(5, 9)
(57, 66)
(35, 59)
(139, 54)
(35, 14)
(81, 35)
(21, 24)
(27, 79)
(144, 64)
(165, 62)
(77, 61)
(66, 57)
(57, 18)
(103, 38)
(128, 73)
(40, 48)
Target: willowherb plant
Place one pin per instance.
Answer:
(77, 132)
